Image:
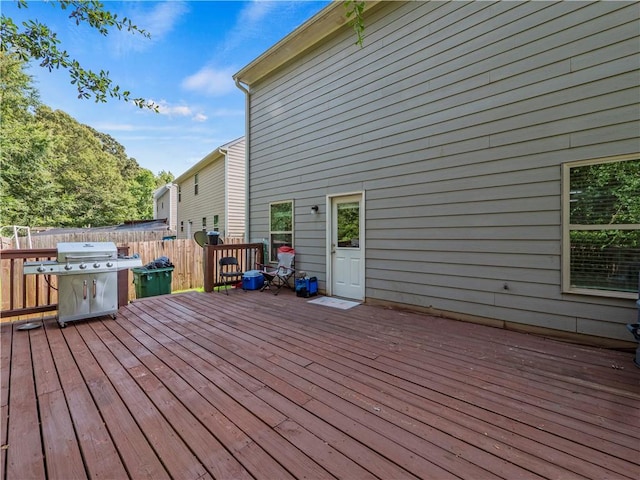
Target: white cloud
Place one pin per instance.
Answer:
(199, 117)
(158, 21)
(178, 110)
(254, 12)
(250, 22)
(211, 82)
(163, 17)
(164, 108)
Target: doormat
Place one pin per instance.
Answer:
(334, 302)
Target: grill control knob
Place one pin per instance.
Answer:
(68, 267)
(96, 265)
(83, 266)
(41, 268)
(109, 264)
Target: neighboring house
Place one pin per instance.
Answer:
(211, 194)
(165, 204)
(446, 155)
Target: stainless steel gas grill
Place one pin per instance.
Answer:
(88, 278)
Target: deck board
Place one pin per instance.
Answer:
(253, 385)
(6, 337)
(61, 450)
(510, 474)
(99, 453)
(23, 426)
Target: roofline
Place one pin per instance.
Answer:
(212, 156)
(161, 190)
(331, 18)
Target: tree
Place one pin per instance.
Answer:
(92, 190)
(604, 214)
(33, 40)
(24, 145)
(55, 171)
(164, 178)
(606, 193)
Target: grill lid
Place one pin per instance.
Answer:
(79, 251)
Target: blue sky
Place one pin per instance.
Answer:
(185, 67)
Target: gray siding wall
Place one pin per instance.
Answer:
(455, 118)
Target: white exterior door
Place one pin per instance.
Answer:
(347, 247)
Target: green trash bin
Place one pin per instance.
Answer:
(150, 282)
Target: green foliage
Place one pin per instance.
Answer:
(348, 223)
(606, 193)
(141, 189)
(164, 178)
(57, 172)
(281, 217)
(355, 10)
(33, 40)
(24, 146)
(604, 214)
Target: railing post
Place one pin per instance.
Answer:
(208, 267)
(260, 254)
(123, 280)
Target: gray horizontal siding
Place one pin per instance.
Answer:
(455, 118)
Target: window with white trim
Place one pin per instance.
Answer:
(280, 227)
(601, 222)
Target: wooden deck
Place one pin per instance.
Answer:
(252, 385)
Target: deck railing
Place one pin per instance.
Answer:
(27, 294)
(249, 255)
(24, 295)
(33, 294)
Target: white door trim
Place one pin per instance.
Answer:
(329, 235)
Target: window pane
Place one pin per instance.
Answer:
(605, 194)
(281, 227)
(605, 260)
(281, 217)
(279, 240)
(349, 224)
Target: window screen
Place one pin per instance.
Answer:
(603, 225)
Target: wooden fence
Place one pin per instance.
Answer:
(37, 293)
(116, 236)
(186, 256)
